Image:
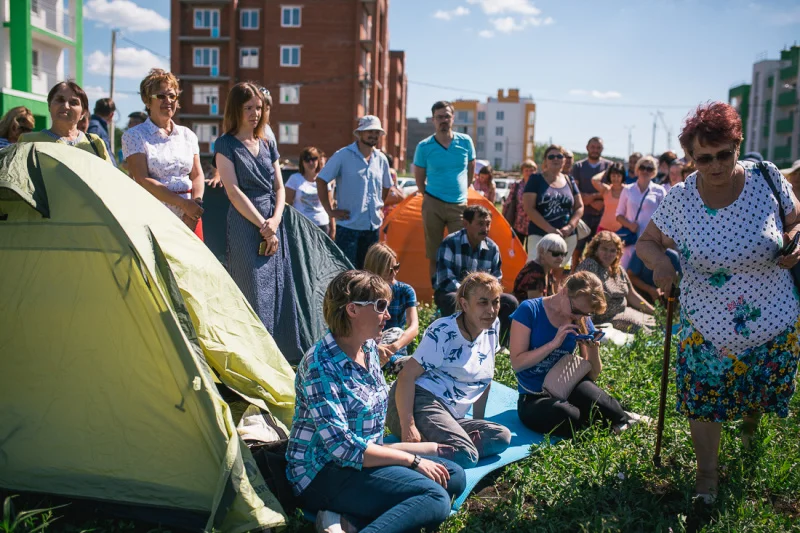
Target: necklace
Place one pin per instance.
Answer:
(464, 324)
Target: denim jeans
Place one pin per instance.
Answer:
(386, 499)
(355, 243)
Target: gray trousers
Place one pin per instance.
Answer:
(472, 439)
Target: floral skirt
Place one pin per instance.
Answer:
(716, 386)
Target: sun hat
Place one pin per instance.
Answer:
(794, 168)
(369, 123)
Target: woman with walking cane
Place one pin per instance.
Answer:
(732, 223)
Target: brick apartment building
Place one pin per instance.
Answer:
(325, 62)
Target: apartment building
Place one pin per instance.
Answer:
(770, 119)
(47, 37)
(325, 63)
(502, 128)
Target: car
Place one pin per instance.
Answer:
(502, 188)
(407, 185)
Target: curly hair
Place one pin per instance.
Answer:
(350, 286)
(602, 238)
(151, 83)
(711, 123)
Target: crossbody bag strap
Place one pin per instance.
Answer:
(765, 173)
(641, 203)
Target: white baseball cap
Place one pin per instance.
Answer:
(369, 123)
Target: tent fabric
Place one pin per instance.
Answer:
(113, 316)
(314, 265)
(402, 230)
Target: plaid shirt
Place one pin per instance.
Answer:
(456, 259)
(340, 408)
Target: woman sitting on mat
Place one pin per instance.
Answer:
(543, 331)
(338, 465)
(450, 372)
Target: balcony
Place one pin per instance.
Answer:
(780, 153)
(51, 16)
(785, 125)
(789, 73)
(788, 98)
(43, 79)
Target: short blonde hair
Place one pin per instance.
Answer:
(380, 259)
(602, 238)
(473, 281)
(587, 284)
(350, 286)
(529, 163)
(152, 82)
(647, 158)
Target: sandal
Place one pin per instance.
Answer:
(706, 486)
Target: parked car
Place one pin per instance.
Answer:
(407, 185)
(502, 187)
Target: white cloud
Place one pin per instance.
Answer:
(499, 7)
(460, 11)
(95, 92)
(600, 95)
(125, 14)
(130, 63)
(486, 34)
(511, 24)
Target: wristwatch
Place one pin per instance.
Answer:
(415, 463)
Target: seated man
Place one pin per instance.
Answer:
(470, 250)
(642, 277)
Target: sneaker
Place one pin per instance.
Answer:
(328, 522)
(634, 418)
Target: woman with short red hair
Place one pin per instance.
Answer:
(738, 349)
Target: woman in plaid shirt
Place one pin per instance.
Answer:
(338, 464)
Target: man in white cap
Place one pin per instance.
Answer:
(363, 180)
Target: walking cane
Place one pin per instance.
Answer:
(662, 405)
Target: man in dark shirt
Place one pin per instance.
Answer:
(582, 173)
(104, 110)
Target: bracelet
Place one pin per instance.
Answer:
(199, 201)
(415, 463)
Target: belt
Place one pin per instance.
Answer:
(443, 201)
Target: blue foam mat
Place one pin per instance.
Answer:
(501, 408)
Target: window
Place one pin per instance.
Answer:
(206, 19)
(481, 115)
(290, 94)
(479, 147)
(501, 115)
(498, 147)
(35, 62)
(204, 94)
(481, 131)
(248, 58)
(35, 6)
(289, 133)
(498, 130)
(498, 163)
(206, 133)
(462, 129)
(206, 57)
(248, 19)
(531, 117)
(462, 116)
(290, 17)
(290, 56)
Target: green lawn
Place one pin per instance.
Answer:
(602, 482)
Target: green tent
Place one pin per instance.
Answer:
(116, 326)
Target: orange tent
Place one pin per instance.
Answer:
(402, 230)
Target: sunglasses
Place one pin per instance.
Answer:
(576, 312)
(555, 156)
(557, 254)
(380, 306)
(310, 159)
(723, 157)
(647, 168)
(172, 97)
(395, 268)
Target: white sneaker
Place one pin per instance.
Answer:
(328, 522)
(638, 419)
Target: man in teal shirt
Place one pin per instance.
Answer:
(444, 165)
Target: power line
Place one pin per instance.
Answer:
(143, 47)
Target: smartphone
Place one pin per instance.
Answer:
(262, 248)
(596, 336)
(791, 246)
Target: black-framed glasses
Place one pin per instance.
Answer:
(647, 168)
(576, 312)
(723, 157)
(380, 305)
(555, 156)
(171, 97)
(309, 159)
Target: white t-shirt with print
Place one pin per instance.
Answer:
(732, 290)
(306, 199)
(456, 371)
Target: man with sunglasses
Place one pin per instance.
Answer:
(363, 181)
(463, 252)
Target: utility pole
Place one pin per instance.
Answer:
(630, 138)
(667, 130)
(111, 129)
(655, 125)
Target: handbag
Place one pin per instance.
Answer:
(629, 237)
(510, 205)
(583, 230)
(795, 270)
(561, 380)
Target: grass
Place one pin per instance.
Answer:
(602, 482)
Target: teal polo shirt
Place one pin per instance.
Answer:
(446, 168)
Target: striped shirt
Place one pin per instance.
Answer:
(340, 408)
(456, 259)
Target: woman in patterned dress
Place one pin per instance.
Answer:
(514, 206)
(738, 349)
(626, 310)
(163, 157)
(258, 252)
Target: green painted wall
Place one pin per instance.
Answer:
(79, 41)
(39, 109)
(22, 48)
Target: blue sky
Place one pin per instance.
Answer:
(583, 64)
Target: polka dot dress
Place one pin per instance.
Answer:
(732, 290)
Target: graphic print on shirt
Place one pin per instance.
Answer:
(553, 203)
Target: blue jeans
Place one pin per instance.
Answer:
(386, 499)
(355, 243)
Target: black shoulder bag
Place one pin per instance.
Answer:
(795, 270)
